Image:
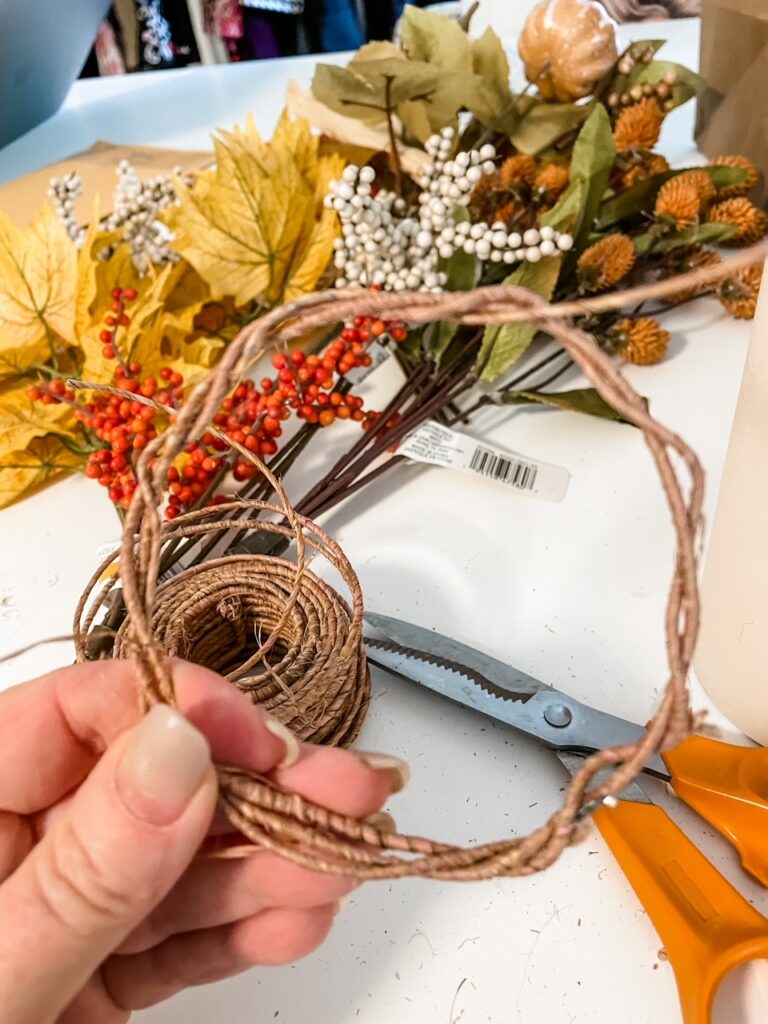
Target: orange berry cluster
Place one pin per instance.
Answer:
(127, 426)
(251, 416)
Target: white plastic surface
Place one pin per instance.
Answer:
(573, 592)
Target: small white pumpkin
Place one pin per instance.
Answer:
(567, 46)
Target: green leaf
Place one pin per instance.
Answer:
(544, 123)
(424, 97)
(493, 104)
(435, 39)
(635, 200)
(700, 234)
(462, 270)
(594, 154)
(585, 400)
(504, 344)
(379, 50)
(689, 84)
(410, 78)
(564, 215)
(593, 157)
(726, 177)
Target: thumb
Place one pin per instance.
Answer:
(126, 837)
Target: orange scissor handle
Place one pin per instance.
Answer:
(707, 928)
(728, 786)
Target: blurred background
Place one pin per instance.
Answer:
(149, 35)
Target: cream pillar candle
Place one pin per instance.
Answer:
(732, 657)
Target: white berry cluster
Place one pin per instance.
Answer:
(380, 243)
(495, 243)
(136, 206)
(64, 193)
(385, 244)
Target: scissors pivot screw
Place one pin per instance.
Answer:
(558, 716)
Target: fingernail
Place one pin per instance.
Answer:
(399, 770)
(162, 766)
(292, 745)
(382, 821)
(339, 905)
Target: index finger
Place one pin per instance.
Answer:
(54, 729)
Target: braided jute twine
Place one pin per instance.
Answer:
(310, 670)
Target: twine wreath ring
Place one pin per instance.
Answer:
(310, 671)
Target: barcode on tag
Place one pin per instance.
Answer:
(436, 445)
(506, 470)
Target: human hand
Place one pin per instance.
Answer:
(103, 906)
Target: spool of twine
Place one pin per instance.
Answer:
(289, 640)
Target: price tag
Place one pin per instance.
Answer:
(436, 445)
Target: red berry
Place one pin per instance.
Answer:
(134, 368)
(378, 327)
(279, 361)
(398, 334)
(35, 394)
(129, 294)
(298, 358)
(117, 294)
(93, 470)
(327, 417)
(108, 352)
(140, 441)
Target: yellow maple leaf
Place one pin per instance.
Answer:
(38, 275)
(22, 420)
(187, 294)
(45, 459)
(255, 228)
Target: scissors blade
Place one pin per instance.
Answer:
(573, 762)
(554, 718)
(494, 676)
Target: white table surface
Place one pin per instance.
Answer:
(571, 592)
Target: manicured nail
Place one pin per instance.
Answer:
(339, 905)
(292, 745)
(399, 770)
(163, 766)
(382, 821)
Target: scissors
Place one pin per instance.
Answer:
(707, 927)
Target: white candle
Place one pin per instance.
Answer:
(732, 657)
